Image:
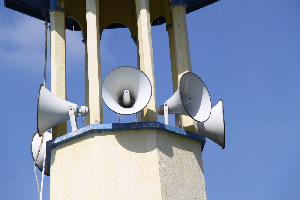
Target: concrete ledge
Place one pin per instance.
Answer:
(120, 126)
(131, 161)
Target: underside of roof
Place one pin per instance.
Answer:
(40, 8)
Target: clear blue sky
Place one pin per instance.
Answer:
(247, 53)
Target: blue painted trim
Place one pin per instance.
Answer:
(57, 9)
(178, 3)
(120, 126)
(54, 4)
(169, 26)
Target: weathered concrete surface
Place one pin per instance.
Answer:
(181, 168)
(132, 164)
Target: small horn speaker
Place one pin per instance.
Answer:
(214, 127)
(191, 99)
(52, 110)
(35, 144)
(126, 90)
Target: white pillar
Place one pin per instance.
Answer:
(136, 42)
(146, 55)
(138, 114)
(58, 62)
(94, 65)
(86, 82)
(170, 30)
(182, 54)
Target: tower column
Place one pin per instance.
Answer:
(180, 54)
(94, 65)
(86, 81)
(135, 40)
(170, 31)
(146, 55)
(58, 62)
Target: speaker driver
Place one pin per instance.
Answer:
(126, 90)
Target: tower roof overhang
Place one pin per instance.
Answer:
(39, 8)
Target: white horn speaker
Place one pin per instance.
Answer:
(35, 144)
(191, 99)
(126, 90)
(214, 127)
(52, 110)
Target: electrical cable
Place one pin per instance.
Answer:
(34, 165)
(45, 72)
(43, 175)
(36, 179)
(46, 31)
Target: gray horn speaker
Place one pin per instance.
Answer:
(126, 90)
(214, 127)
(52, 110)
(35, 144)
(191, 99)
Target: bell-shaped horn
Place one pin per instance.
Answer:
(126, 90)
(35, 144)
(52, 110)
(214, 127)
(191, 99)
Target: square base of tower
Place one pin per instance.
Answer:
(123, 163)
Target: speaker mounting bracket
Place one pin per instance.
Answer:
(166, 113)
(73, 119)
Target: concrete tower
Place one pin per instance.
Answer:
(140, 160)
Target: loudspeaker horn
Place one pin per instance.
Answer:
(214, 127)
(35, 144)
(191, 99)
(126, 90)
(52, 110)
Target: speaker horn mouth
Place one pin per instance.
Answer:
(214, 127)
(53, 110)
(35, 142)
(37, 114)
(123, 80)
(195, 99)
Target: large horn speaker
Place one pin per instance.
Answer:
(35, 144)
(214, 127)
(191, 99)
(52, 110)
(126, 90)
